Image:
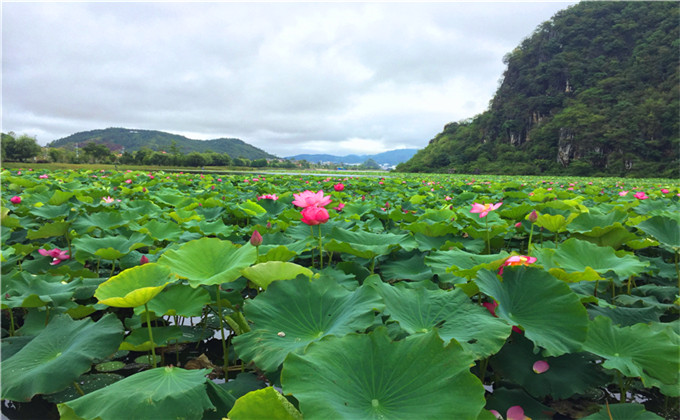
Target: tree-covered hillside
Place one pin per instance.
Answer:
(119, 139)
(593, 91)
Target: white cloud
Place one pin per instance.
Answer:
(286, 77)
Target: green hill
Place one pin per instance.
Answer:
(129, 140)
(593, 91)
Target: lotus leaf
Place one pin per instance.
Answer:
(664, 229)
(623, 411)
(636, 351)
(369, 376)
(450, 313)
(178, 299)
(60, 353)
(134, 286)
(294, 313)
(265, 273)
(367, 245)
(551, 315)
(165, 392)
(220, 261)
(264, 403)
(462, 263)
(575, 255)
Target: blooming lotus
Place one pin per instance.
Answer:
(623, 193)
(339, 187)
(313, 215)
(56, 254)
(268, 197)
(484, 209)
(128, 181)
(309, 199)
(44, 176)
(107, 199)
(641, 195)
(339, 207)
(15, 200)
(665, 190)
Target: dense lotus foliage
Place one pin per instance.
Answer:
(195, 295)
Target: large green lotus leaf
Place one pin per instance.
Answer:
(217, 228)
(178, 299)
(636, 351)
(135, 286)
(575, 255)
(62, 351)
(265, 273)
(162, 231)
(365, 244)
(266, 403)
(623, 411)
(60, 197)
(551, 315)
(555, 223)
(49, 230)
(161, 393)
(568, 374)
(594, 219)
(138, 339)
(30, 291)
(109, 247)
(102, 220)
(275, 253)
(369, 376)
(294, 313)
(609, 236)
(409, 268)
(12, 344)
(209, 261)
(664, 229)
(464, 264)
(419, 310)
(625, 317)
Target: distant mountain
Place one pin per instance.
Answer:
(392, 157)
(130, 140)
(593, 91)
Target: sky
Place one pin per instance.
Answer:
(288, 78)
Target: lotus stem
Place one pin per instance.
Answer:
(630, 280)
(11, 321)
(622, 389)
(113, 267)
(320, 250)
(78, 388)
(483, 364)
(531, 234)
(488, 240)
(311, 229)
(153, 345)
(225, 353)
(98, 262)
(677, 266)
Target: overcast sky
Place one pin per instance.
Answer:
(288, 78)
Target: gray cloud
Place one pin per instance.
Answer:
(286, 77)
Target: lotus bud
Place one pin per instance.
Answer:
(256, 239)
(541, 366)
(533, 216)
(143, 260)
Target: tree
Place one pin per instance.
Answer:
(19, 149)
(97, 152)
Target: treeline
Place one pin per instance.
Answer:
(24, 148)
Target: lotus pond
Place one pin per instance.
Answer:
(169, 295)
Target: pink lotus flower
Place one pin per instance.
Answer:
(447, 198)
(268, 197)
(540, 366)
(533, 216)
(514, 413)
(107, 199)
(56, 254)
(484, 209)
(339, 187)
(339, 207)
(256, 239)
(44, 176)
(309, 199)
(623, 193)
(641, 195)
(15, 200)
(665, 190)
(143, 260)
(128, 181)
(313, 215)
